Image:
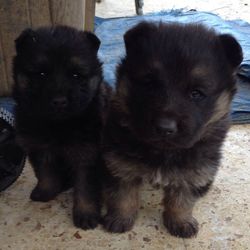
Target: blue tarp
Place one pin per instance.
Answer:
(110, 32)
(7, 106)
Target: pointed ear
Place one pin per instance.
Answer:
(93, 39)
(232, 49)
(138, 36)
(26, 40)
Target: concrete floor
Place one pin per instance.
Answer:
(223, 214)
(228, 9)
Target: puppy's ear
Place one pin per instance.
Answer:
(232, 49)
(137, 37)
(93, 40)
(26, 40)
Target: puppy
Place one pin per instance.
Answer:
(167, 120)
(61, 99)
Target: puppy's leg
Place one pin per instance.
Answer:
(84, 161)
(49, 181)
(178, 204)
(122, 206)
(177, 215)
(86, 210)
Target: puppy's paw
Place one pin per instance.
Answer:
(118, 224)
(86, 220)
(42, 195)
(183, 228)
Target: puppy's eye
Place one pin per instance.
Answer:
(75, 75)
(197, 95)
(42, 74)
(148, 80)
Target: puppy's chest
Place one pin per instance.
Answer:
(162, 173)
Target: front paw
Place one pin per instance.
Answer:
(42, 195)
(182, 228)
(86, 220)
(118, 224)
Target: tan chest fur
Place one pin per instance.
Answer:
(163, 176)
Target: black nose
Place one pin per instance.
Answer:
(60, 102)
(167, 126)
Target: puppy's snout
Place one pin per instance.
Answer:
(167, 126)
(60, 102)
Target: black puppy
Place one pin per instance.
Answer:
(167, 120)
(61, 99)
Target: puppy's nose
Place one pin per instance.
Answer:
(167, 126)
(60, 102)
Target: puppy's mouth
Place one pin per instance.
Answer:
(171, 144)
(59, 116)
(67, 113)
(168, 142)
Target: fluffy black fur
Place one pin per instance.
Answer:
(61, 99)
(167, 120)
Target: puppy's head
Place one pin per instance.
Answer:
(176, 80)
(56, 71)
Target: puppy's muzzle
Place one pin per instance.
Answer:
(167, 127)
(59, 103)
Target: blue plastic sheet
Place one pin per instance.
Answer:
(7, 106)
(110, 32)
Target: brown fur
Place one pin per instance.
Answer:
(222, 106)
(167, 120)
(177, 215)
(122, 205)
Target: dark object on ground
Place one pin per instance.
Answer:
(139, 7)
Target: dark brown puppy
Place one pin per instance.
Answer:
(60, 99)
(168, 120)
